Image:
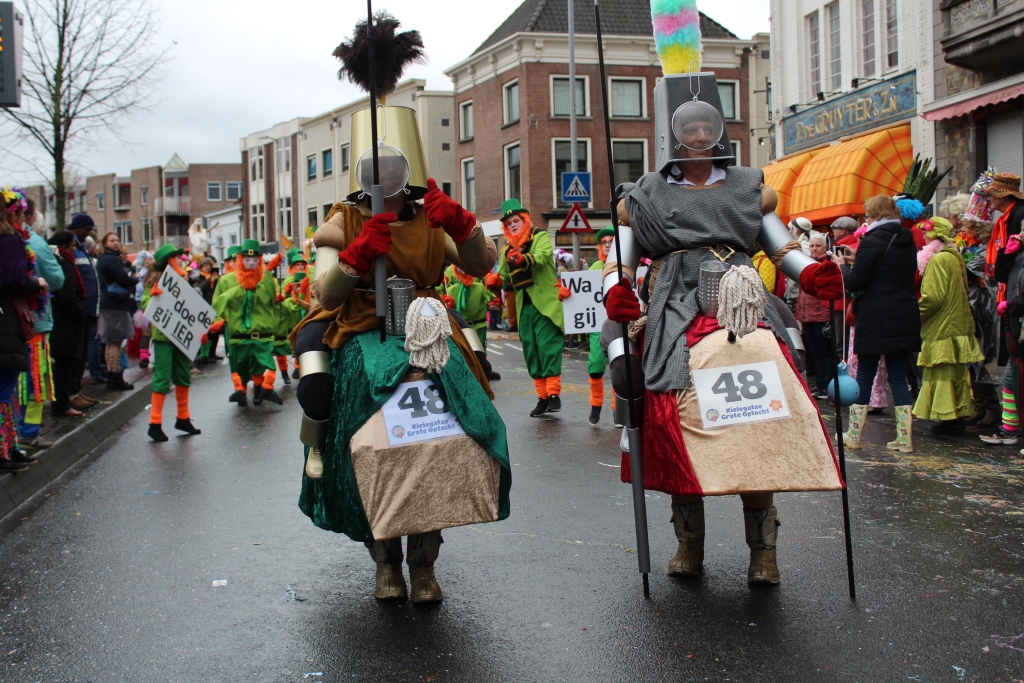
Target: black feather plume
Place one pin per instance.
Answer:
(392, 52)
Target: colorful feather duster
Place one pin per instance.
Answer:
(677, 35)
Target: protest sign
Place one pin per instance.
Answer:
(583, 311)
(180, 313)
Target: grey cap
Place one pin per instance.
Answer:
(845, 223)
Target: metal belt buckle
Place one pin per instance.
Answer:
(721, 258)
(254, 335)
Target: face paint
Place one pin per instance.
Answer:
(250, 262)
(514, 223)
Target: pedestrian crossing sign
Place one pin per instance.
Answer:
(575, 221)
(576, 187)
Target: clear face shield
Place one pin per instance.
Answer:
(698, 126)
(393, 168)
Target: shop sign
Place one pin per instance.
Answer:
(872, 107)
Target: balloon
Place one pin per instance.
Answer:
(849, 390)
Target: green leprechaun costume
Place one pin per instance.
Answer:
(294, 298)
(246, 300)
(469, 296)
(597, 361)
(527, 264)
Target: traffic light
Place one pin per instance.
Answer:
(10, 55)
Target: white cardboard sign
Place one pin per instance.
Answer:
(583, 312)
(418, 412)
(180, 313)
(740, 394)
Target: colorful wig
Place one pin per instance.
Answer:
(677, 35)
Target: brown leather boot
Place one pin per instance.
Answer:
(762, 531)
(424, 585)
(390, 584)
(423, 550)
(688, 522)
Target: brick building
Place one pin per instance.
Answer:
(271, 199)
(512, 100)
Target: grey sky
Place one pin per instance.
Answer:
(243, 65)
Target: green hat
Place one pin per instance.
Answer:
(250, 248)
(605, 232)
(165, 254)
(940, 229)
(233, 251)
(295, 256)
(299, 277)
(511, 206)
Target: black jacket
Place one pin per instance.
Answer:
(68, 315)
(1005, 262)
(15, 283)
(111, 270)
(888, 320)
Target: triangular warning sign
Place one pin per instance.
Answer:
(575, 221)
(576, 189)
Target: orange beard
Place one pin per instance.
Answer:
(248, 278)
(466, 279)
(524, 235)
(175, 264)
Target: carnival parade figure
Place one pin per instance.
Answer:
(170, 365)
(246, 302)
(370, 472)
(527, 264)
(699, 217)
(295, 303)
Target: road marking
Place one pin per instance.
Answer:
(517, 348)
(495, 345)
(496, 353)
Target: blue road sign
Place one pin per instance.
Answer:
(576, 187)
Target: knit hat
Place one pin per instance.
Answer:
(81, 220)
(801, 224)
(1004, 184)
(936, 228)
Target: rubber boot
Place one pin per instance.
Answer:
(423, 550)
(762, 531)
(315, 464)
(904, 441)
(858, 417)
(688, 522)
(390, 584)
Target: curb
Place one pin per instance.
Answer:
(17, 487)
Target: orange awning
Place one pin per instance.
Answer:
(782, 175)
(837, 181)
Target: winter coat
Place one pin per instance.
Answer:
(885, 303)
(87, 269)
(111, 270)
(48, 269)
(1004, 261)
(15, 282)
(947, 325)
(68, 316)
(810, 309)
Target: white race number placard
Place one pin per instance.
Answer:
(739, 394)
(417, 412)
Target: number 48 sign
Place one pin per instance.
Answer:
(740, 394)
(418, 412)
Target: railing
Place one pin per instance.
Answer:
(173, 206)
(179, 241)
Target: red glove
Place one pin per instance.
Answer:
(373, 241)
(493, 281)
(275, 261)
(444, 212)
(1001, 309)
(204, 340)
(823, 280)
(495, 303)
(563, 292)
(217, 326)
(280, 297)
(514, 258)
(621, 302)
(447, 301)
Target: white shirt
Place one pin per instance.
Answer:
(717, 175)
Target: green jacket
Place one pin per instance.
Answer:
(248, 312)
(473, 304)
(536, 278)
(598, 265)
(154, 332)
(947, 325)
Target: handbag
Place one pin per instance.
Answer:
(117, 291)
(26, 321)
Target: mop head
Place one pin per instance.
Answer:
(392, 53)
(741, 300)
(677, 35)
(426, 334)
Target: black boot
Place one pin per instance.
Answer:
(948, 427)
(554, 403)
(156, 432)
(595, 414)
(295, 373)
(115, 381)
(542, 407)
(257, 395)
(238, 397)
(492, 376)
(186, 426)
(144, 363)
(18, 455)
(286, 377)
(11, 466)
(272, 396)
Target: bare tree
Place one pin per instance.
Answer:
(88, 64)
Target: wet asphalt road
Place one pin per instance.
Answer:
(109, 576)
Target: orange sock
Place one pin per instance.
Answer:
(268, 379)
(282, 363)
(156, 410)
(613, 400)
(236, 379)
(541, 385)
(555, 385)
(257, 380)
(181, 396)
(597, 391)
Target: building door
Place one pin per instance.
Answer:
(1005, 133)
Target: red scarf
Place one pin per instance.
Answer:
(996, 243)
(68, 252)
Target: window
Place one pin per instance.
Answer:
(466, 120)
(284, 215)
(510, 100)
(891, 42)
(727, 91)
(283, 155)
(100, 203)
(311, 168)
(123, 229)
(444, 123)
(147, 230)
(513, 176)
(183, 187)
(234, 191)
(256, 163)
(259, 225)
(812, 31)
(563, 162)
(263, 224)
(168, 187)
(560, 96)
(213, 192)
(834, 48)
(327, 160)
(123, 196)
(867, 13)
(311, 218)
(469, 184)
(445, 146)
(327, 209)
(144, 196)
(346, 153)
(446, 188)
(627, 97)
(629, 157)
(735, 150)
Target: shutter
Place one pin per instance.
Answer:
(1005, 134)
